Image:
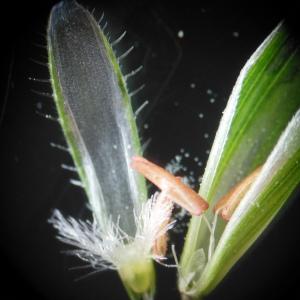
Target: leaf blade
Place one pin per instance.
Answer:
(95, 113)
(278, 179)
(264, 99)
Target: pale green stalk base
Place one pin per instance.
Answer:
(139, 279)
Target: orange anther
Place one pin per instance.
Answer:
(228, 203)
(172, 186)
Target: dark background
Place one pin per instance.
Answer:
(217, 41)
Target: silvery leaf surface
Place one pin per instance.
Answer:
(95, 114)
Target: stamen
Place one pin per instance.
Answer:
(176, 190)
(160, 246)
(228, 203)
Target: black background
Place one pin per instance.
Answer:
(210, 55)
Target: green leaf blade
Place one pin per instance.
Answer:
(264, 99)
(277, 181)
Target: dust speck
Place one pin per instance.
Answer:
(39, 105)
(180, 34)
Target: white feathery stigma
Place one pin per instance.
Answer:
(113, 248)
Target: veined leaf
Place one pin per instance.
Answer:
(264, 99)
(95, 113)
(279, 177)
